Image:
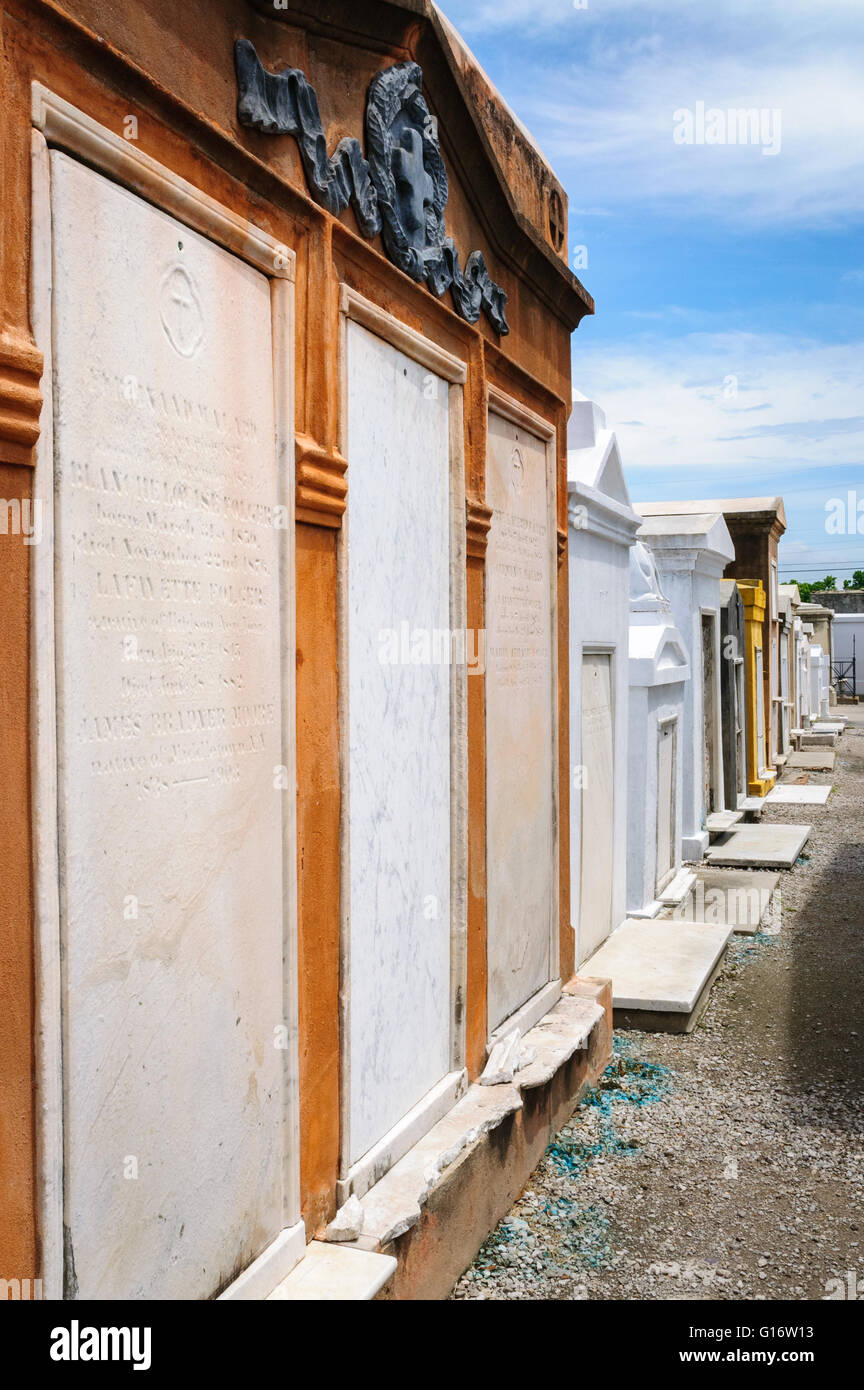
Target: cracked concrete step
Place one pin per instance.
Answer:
(718, 821)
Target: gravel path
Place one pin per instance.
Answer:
(728, 1163)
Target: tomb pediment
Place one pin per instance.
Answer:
(700, 540)
(656, 650)
(597, 489)
(389, 168)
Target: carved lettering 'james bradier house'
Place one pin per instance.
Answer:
(280, 897)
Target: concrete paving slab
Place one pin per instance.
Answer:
(335, 1273)
(737, 898)
(813, 759)
(678, 889)
(816, 740)
(719, 821)
(661, 966)
(760, 846)
(828, 726)
(796, 794)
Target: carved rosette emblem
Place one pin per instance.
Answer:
(398, 188)
(180, 312)
(517, 476)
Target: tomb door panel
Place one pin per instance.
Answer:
(596, 829)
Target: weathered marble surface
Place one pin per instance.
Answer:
(597, 809)
(169, 731)
(399, 736)
(602, 527)
(519, 757)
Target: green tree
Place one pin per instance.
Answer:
(856, 582)
(804, 589)
(819, 585)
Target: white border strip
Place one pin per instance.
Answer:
(67, 128)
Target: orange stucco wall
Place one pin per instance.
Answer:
(17, 1127)
(171, 66)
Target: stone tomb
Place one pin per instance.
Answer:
(175, 783)
(803, 632)
(658, 672)
(755, 525)
(691, 553)
(760, 776)
(601, 529)
(785, 695)
(521, 681)
(733, 696)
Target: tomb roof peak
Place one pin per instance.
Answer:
(765, 510)
(593, 453)
(700, 533)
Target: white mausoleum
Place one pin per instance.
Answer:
(659, 671)
(602, 528)
(692, 552)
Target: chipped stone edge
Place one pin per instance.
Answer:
(396, 1202)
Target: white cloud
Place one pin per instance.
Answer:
(615, 136)
(599, 89)
(752, 403)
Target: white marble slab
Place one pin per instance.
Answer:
(169, 728)
(597, 809)
(520, 854)
(790, 794)
(660, 966)
(399, 735)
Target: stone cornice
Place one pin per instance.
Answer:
(478, 523)
(20, 397)
(592, 512)
(321, 485)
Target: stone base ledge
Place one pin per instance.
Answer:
(436, 1206)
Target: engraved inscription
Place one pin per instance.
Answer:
(520, 829)
(173, 561)
(169, 602)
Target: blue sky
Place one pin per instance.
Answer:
(728, 345)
